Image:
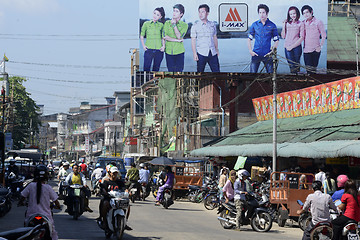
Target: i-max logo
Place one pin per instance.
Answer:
(233, 17)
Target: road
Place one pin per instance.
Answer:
(183, 220)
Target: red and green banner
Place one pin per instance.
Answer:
(329, 97)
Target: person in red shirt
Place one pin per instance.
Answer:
(350, 205)
(83, 167)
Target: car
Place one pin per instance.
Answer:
(119, 162)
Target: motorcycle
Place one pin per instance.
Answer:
(212, 199)
(75, 201)
(145, 190)
(134, 193)
(15, 184)
(210, 184)
(116, 217)
(39, 219)
(96, 187)
(256, 215)
(167, 199)
(5, 201)
(25, 233)
(193, 192)
(324, 230)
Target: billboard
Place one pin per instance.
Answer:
(232, 36)
(329, 97)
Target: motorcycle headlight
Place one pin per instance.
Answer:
(112, 203)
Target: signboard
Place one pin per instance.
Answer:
(335, 96)
(186, 41)
(87, 147)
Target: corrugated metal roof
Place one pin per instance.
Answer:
(302, 134)
(341, 45)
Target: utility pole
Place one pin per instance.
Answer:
(357, 50)
(115, 142)
(275, 61)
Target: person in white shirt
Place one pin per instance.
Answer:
(97, 174)
(320, 176)
(64, 170)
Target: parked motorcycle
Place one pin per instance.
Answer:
(116, 217)
(256, 215)
(193, 192)
(75, 201)
(25, 233)
(209, 185)
(5, 201)
(212, 199)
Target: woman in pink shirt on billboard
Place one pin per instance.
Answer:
(293, 33)
(314, 28)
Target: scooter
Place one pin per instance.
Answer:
(25, 233)
(167, 199)
(75, 201)
(145, 190)
(116, 217)
(5, 201)
(39, 219)
(256, 215)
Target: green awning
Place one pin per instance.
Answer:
(332, 134)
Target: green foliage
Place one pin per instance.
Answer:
(25, 118)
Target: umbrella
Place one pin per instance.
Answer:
(162, 161)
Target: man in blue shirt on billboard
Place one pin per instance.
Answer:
(263, 30)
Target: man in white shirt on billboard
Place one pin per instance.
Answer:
(204, 42)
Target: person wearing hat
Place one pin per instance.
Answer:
(112, 184)
(63, 173)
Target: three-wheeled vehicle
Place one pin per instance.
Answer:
(285, 189)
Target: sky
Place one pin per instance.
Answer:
(69, 51)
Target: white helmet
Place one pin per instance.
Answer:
(241, 173)
(142, 165)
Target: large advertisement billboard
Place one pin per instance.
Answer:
(233, 36)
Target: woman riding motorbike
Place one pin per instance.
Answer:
(169, 182)
(350, 204)
(341, 180)
(39, 195)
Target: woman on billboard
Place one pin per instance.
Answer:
(155, 45)
(293, 31)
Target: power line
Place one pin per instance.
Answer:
(72, 81)
(69, 65)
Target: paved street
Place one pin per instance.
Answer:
(183, 220)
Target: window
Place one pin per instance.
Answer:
(139, 106)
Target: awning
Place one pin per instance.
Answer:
(324, 135)
(320, 149)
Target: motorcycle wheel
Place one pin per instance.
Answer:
(120, 222)
(225, 214)
(320, 232)
(108, 234)
(132, 198)
(281, 222)
(304, 221)
(76, 210)
(261, 222)
(191, 196)
(154, 191)
(210, 202)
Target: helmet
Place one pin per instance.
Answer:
(41, 172)
(316, 185)
(108, 167)
(341, 179)
(97, 165)
(66, 164)
(142, 165)
(243, 173)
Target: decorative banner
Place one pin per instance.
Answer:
(335, 96)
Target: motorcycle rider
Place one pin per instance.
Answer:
(12, 167)
(144, 175)
(169, 183)
(319, 204)
(83, 167)
(114, 183)
(133, 176)
(96, 175)
(240, 191)
(63, 172)
(341, 180)
(40, 194)
(228, 189)
(350, 204)
(78, 178)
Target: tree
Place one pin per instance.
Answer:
(25, 118)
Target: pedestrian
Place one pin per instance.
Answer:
(222, 181)
(314, 29)
(350, 204)
(204, 42)
(174, 32)
(320, 176)
(293, 33)
(329, 184)
(155, 45)
(262, 31)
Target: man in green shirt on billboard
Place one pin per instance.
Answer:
(174, 32)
